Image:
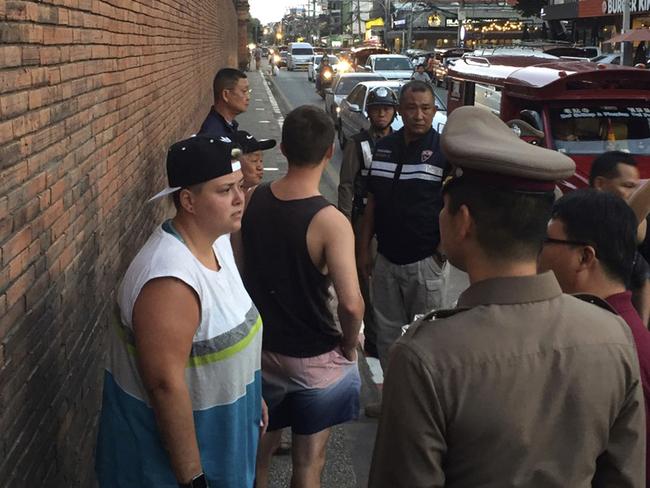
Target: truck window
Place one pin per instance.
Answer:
(488, 97)
(302, 51)
(595, 128)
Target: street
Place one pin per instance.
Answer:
(350, 447)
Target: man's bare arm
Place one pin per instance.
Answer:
(335, 234)
(165, 318)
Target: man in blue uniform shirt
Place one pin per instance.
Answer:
(410, 275)
(231, 98)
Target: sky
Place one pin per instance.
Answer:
(270, 10)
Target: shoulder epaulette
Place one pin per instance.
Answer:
(444, 313)
(594, 300)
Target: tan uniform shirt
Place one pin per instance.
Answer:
(350, 166)
(528, 388)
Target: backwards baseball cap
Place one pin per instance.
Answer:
(485, 151)
(249, 144)
(198, 159)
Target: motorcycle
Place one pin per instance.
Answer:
(325, 79)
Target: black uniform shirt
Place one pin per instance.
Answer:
(215, 125)
(406, 182)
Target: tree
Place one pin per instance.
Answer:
(255, 30)
(530, 8)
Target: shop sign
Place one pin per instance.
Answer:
(616, 6)
(451, 22)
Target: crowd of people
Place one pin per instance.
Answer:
(241, 315)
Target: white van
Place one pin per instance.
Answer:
(299, 55)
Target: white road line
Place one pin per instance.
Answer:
(274, 103)
(261, 109)
(271, 169)
(375, 370)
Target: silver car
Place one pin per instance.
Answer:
(353, 115)
(343, 84)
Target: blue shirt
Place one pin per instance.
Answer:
(215, 125)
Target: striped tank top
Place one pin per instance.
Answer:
(222, 373)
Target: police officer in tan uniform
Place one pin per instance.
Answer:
(520, 385)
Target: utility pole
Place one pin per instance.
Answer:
(358, 19)
(387, 22)
(410, 31)
(626, 47)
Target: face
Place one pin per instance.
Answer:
(420, 69)
(239, 96)
(623, 185)
(218, 204)
(252, 166)
(417, 109)
(562, 259)
(381, 116)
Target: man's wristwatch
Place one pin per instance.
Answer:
(199, 481)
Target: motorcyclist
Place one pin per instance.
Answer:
(324, 67)
(357, 157)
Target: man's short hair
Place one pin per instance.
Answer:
(226, 79)
(421, 65)
(417, 86)
(509, 225)
(307, 134)
(604, 221)
(606, 165)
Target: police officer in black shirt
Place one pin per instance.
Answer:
(410, 275)
(353, 193)
(231, 98)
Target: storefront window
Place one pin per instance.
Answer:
(593, 129)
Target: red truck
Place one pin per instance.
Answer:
(577, 107)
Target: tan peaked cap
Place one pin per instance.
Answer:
(476, 139)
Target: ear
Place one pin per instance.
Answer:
(588, 258)
(599, 182)
(283, 150)
(187, 200)
(330, 152)
(464, 222)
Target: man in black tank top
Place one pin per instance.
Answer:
(295, 245)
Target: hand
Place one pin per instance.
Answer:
(349, 352)
(364, 264)
(264, 423)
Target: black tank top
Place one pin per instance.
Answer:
(291, 294)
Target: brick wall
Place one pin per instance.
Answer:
(91, 94)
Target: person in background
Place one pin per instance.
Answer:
(353, 185)
(420, 74)
(252, 159)
(616, 172)
(231, 98)
(182, 402)
(591, 246)
(295, 246)
(520, 385)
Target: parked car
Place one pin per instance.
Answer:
(314, 64)
(353, 115)
(390, 66)
(343, 84)
(612, 58)
(299, 54)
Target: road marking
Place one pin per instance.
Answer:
(271, 169)
(260, 109)
(264, 121)
(259, 100)
(375, 370)
(274, 104)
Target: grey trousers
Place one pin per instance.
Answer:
(402, 291)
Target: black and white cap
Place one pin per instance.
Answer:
(249, 144)
(199, 159)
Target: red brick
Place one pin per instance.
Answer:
(13, 104)
(10, 56)
(16, 79)
(18, 288)
(6, 131)
(16, 244)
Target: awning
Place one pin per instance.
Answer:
(634, 35)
